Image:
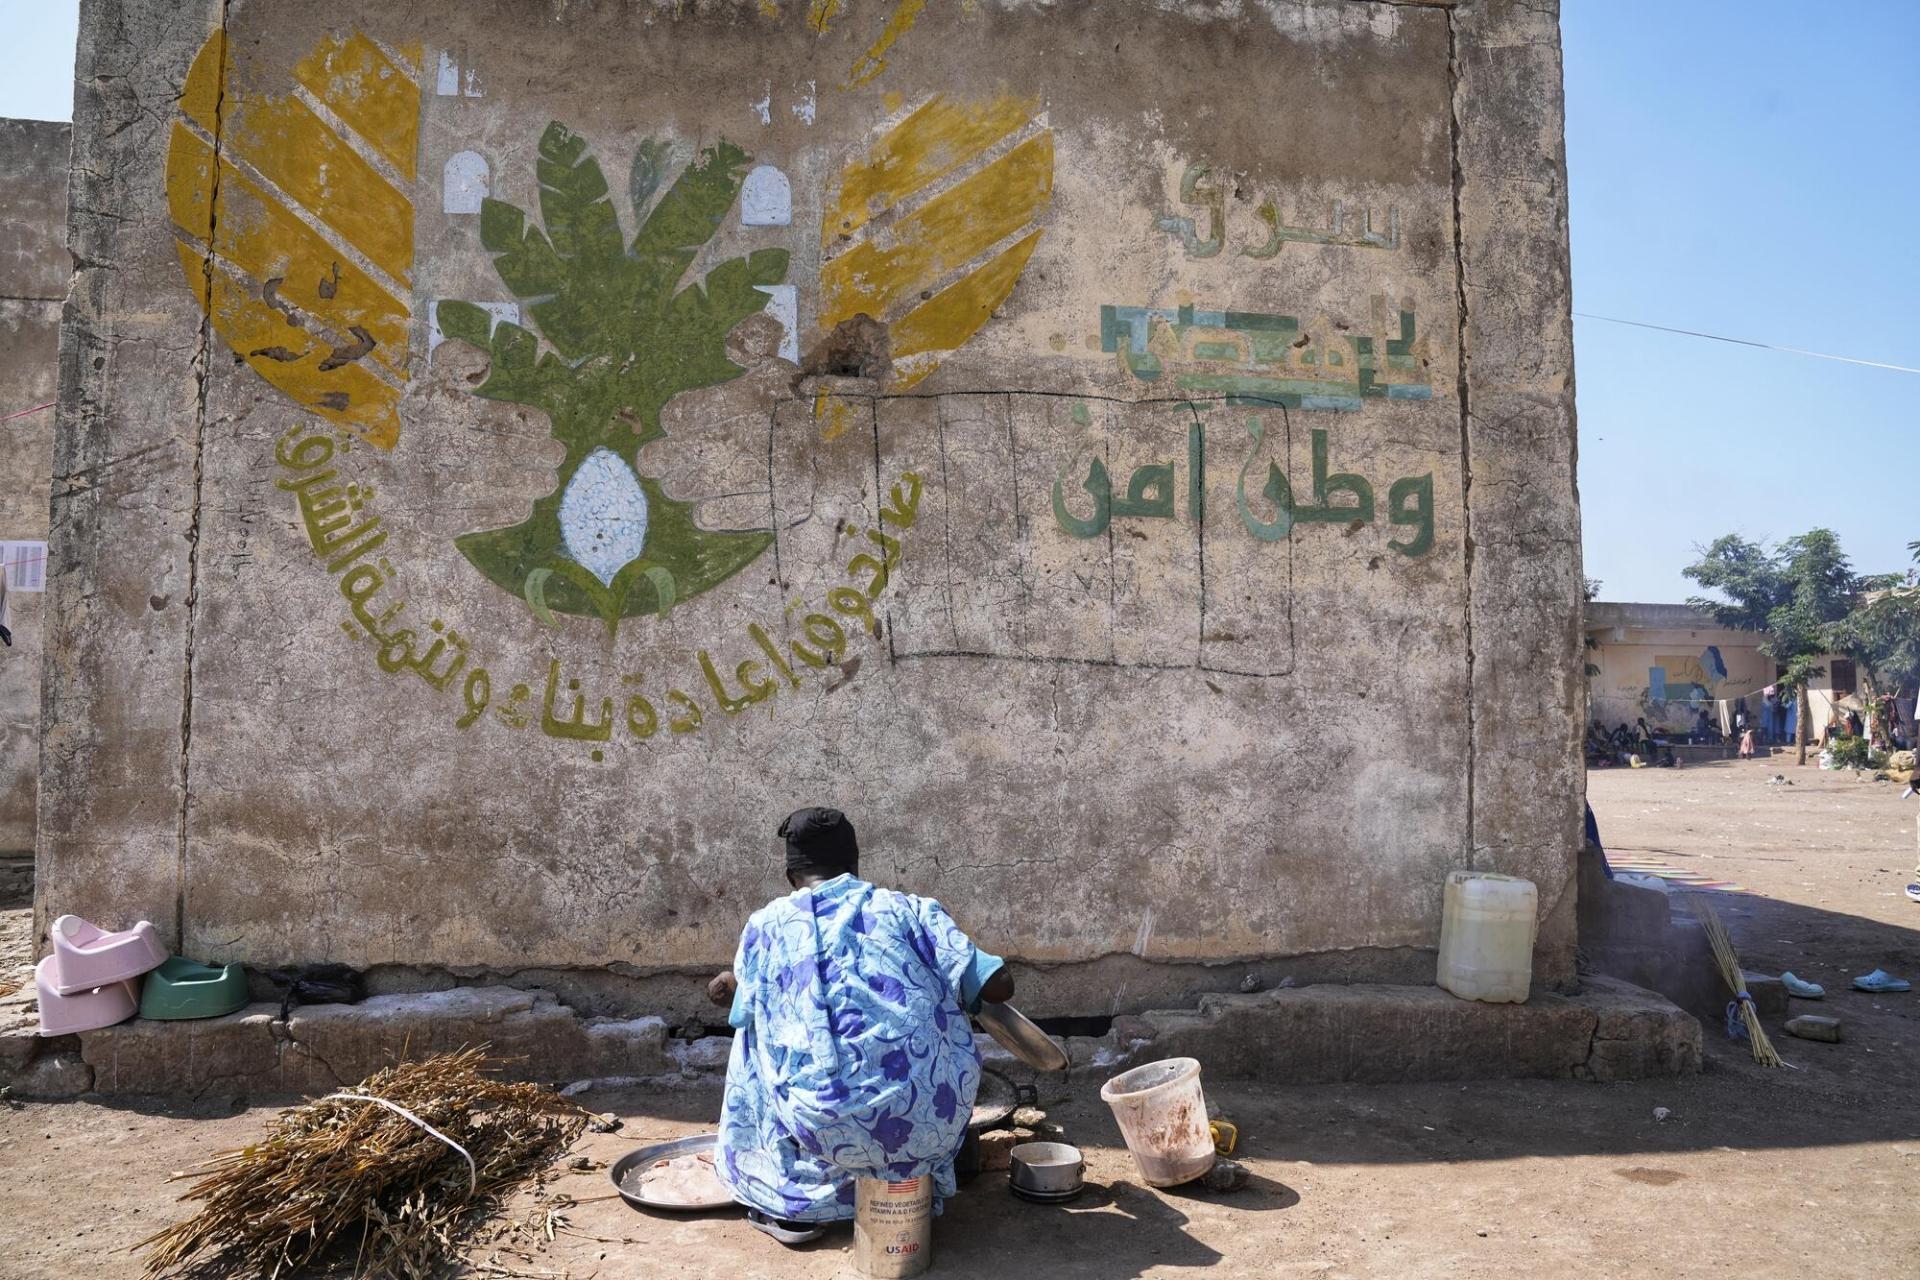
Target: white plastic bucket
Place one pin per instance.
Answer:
(893, 1226)
(1163, 1117)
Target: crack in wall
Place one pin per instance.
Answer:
(1466, 408)
(202, 372)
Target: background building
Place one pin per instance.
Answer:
(1668, 662)
(33, 284)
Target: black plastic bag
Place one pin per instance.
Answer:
(319, 984)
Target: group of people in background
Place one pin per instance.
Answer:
(1774, 726)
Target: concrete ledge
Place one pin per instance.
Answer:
(327, 1046)
(1303, 1035)
(1377, 1035)
(1383, 1034)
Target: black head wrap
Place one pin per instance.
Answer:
(819, 840)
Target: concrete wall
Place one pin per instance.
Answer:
(33, 282)
(1146, 503)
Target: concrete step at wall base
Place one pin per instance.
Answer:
(1303, 1035)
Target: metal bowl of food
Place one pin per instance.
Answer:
(1046, 1172)
(677, 1176)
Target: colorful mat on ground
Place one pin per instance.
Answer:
(1640, 864)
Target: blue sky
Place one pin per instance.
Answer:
(1743, 168)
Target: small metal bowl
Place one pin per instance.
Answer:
(1048, 1171)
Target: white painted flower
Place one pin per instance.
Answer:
(603, 515)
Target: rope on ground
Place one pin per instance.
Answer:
(473, 1171)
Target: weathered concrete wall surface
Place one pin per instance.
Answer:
(33, 282)
(1123, 457)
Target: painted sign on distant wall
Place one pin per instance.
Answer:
(658, 336)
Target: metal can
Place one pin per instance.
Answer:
(893, 1226)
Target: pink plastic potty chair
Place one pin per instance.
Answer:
(85, 956)
(62, 1015)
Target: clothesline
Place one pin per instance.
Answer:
(21, 413)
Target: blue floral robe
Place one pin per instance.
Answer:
(853, 1056)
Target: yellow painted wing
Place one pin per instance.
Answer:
(298, 242)
(959, 188)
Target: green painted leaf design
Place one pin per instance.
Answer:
(573, 199)
(692, 210)
(650, 161)
(535, 595)
(465, 321)
(628, 339)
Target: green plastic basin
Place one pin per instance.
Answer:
(183, 988)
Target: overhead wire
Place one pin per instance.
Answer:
(1748, 342)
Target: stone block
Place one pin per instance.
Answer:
(706, 1055)
(329, 1046)
(1638, 1035)
(1769, 995)
(627, 1047)
(994, 1149)
(1678, 964)
(144, 1056)
(1383, 1034)
(1613, 913)
(18, 1045)
(54, 1077)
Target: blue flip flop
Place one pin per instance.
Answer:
(1881, 982)
(1913, 891)
(1801, 989)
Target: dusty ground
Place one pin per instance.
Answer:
(1753, 1174)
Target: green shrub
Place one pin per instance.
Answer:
(1854, 753)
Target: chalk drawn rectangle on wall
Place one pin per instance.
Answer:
(823, 497)
(1247, 596)
(1071, 529)
(26, 565)
(1067, 609)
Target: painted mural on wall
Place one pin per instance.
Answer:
(298, 240)
(622, 336)
(944, 264)
(701, 395)
(1680, 686)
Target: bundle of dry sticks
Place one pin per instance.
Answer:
(343, 1179)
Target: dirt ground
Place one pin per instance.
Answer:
(1753, 1173)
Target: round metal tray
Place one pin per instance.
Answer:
(635, 1162)
(1021, 1037)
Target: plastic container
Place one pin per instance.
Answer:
(86, 957)
(62, 1015)
(893, 1226)
(1487, 928)
(183, 988)
(1163, 1116)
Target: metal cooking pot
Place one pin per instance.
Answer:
(1046, 1170)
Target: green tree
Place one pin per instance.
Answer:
(1882, 632)
(1796, 593)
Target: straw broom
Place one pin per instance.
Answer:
(1763, 1052)
(341, 1173)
